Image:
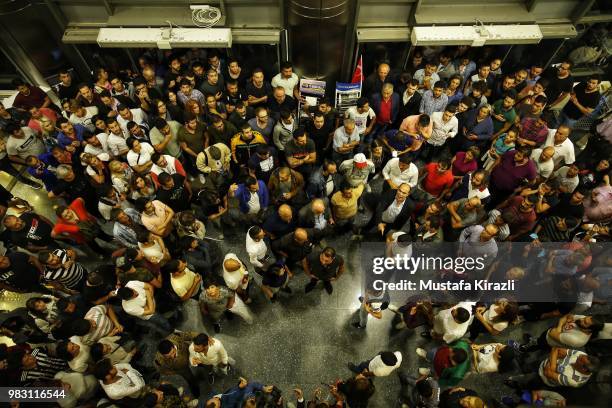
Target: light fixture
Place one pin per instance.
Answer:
(477, 35)
(165, 38)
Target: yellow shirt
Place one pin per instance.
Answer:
(183, 283)
(345, 208)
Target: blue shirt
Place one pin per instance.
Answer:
(429, 104)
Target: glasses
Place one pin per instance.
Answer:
(263, 117)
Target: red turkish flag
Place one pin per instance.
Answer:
(358, 74)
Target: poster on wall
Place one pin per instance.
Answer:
(347, 95)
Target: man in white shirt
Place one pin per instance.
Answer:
(568, 179)
(287, 79)
(97, 145)
(138, 301)
(381, 365)
(452, 324)
(76, 353)
(22, 142)
(139, 156)
(120, 380)
(116, 138)
(400, 170)
(361, 114)
(82, 115)
(564, 148)
(543, 159)
(207, 354)
(445, 126)
(127, 115)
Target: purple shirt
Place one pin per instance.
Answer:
(460, 167)
(508, 176)
(533, 133)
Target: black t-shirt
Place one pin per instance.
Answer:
(36, 232)
(265, 90)
(292, 149)
(557, 86)
(5, 196)
(20, 274)
(177, 197)
(273, 280)
(79, 187)
(319, 136)
(588, 100)
(67, 92)
(565, 209)
(324, 272)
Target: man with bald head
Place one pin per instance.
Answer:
(280, 222)
(316, 215)
(375, 81)
(392, 210)
(294, 246)
(543, 159)
(479, 241)
(564, 148)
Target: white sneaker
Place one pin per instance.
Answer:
(393, 308)
(421, 352)
(424, 371)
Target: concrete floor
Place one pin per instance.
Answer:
(306, 339)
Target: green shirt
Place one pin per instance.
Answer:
(172, 148)
(509, 115)
(453, 375)
(195, 141)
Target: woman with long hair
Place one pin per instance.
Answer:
(96, 170)
(152, 247)
(142, 186)
(120, 176)
(194, 107)
(43, 310)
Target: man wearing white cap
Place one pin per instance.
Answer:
(357, 170)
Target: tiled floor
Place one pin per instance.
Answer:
(306, 339)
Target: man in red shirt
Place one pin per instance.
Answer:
(386, 106)
(438, 178)
(30, 96)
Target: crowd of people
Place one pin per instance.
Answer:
(149, 171)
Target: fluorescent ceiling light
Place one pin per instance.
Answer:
(164, 37)
(477, 35)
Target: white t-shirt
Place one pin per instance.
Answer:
(486, 362)
(564, 151)
(254, 205)
(138, 159)
(116, 144)
(287, 83)
(361, 119)
(85, 120)
(136, 306)
(445, 325)
(234, 279)
(398, 250)
(380, 369)
(216, 354)
(569, 183)
(490, 314)
(544, 169)
(138, 116)
(130, 383)
(571, 336)
(30, 145)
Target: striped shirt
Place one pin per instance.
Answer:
(46, 368)
(69, 277)
(103, 323)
